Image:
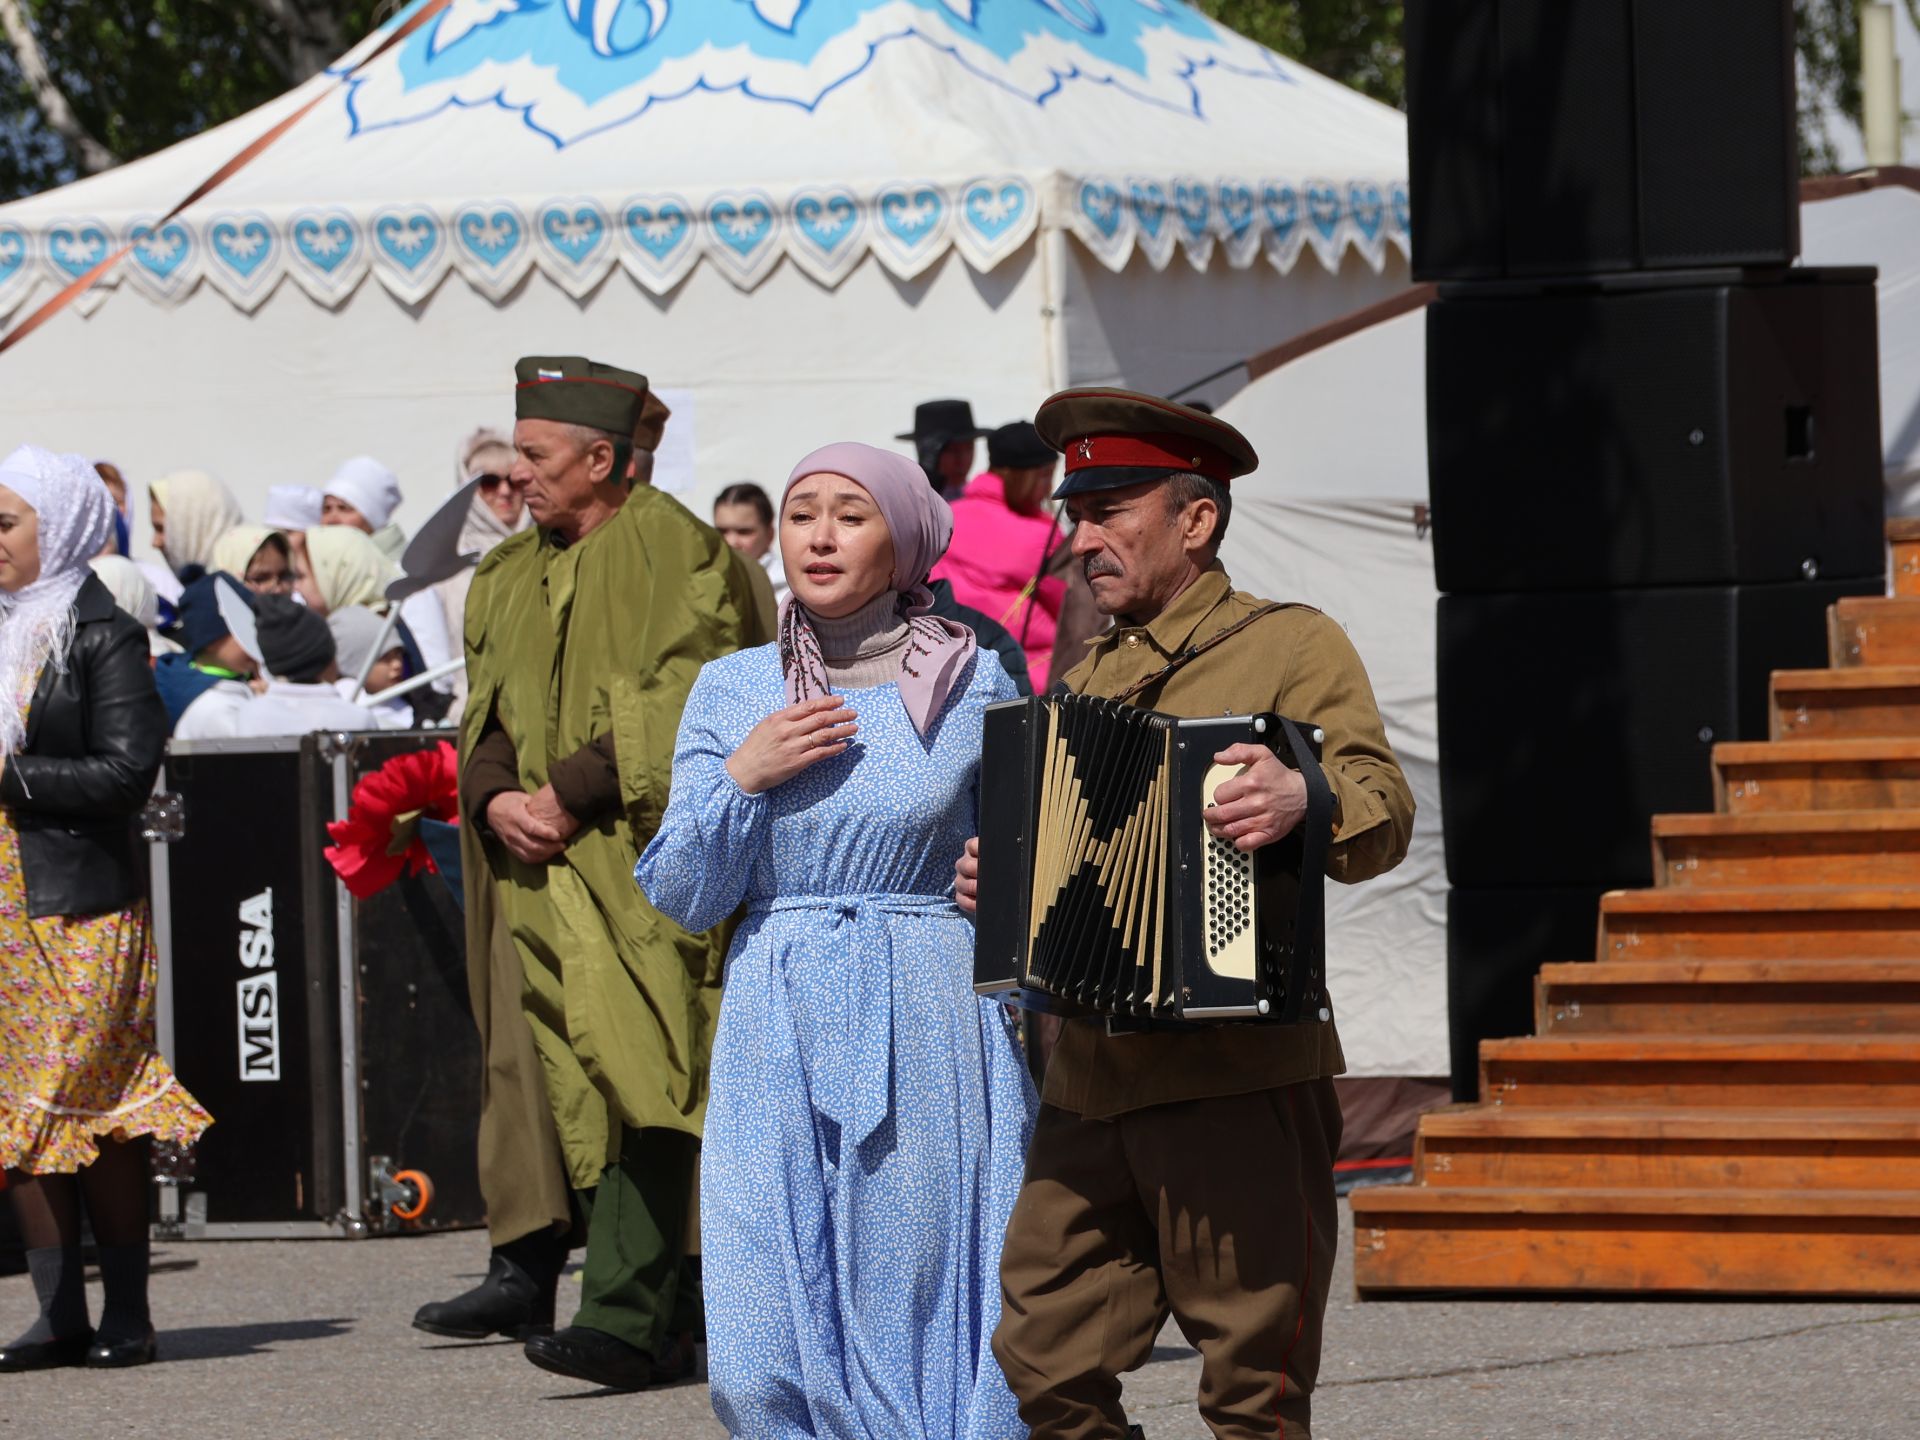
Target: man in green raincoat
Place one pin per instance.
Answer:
(584, 636)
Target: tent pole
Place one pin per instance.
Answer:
(1053, 272)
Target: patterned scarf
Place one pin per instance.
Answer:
(920, 525)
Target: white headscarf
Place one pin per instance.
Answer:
(367, 485)
(36, 624)
(348, 567)
(199, 511)
(233, 552)
(130, 588)
(293, 507)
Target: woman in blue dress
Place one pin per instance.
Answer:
(869, 1115)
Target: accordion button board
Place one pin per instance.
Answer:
(1102, 890)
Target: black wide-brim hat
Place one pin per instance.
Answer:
(943, 420)
(1019, 447)
(1114, 438)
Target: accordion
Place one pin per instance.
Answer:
(1101, 889)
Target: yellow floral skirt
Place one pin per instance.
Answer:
(77, 1056)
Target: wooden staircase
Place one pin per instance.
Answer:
(1728, 1101)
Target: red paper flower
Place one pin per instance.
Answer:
(379, 839)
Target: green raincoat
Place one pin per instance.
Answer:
(565, 643)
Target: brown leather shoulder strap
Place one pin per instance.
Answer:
(1194, 652)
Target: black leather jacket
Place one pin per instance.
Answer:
(95, 736)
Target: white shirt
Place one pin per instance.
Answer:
(382, 714)
(776, 569)
(215, 713)
(290, 709)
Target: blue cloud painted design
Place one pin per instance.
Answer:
(576, 67)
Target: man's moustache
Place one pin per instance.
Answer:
(1098, 565)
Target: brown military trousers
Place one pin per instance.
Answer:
(1218, 1211)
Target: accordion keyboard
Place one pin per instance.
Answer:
(1229, 893)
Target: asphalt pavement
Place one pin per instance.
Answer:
(288, 1340)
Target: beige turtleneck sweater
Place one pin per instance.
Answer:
(863, 649)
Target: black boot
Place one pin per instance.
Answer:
(600, 1359)
(516, 1298)
(61, 1335)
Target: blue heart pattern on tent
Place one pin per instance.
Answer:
(1194, 204)
(826, 221)
(1323, 207)
(409, 240)
(1149, 208)
(161, 252)
(912, 216)
(659, 227)
(1402, 204)
(1368, 207)
(325, 244)
(77, 251)
(13, 252)
(744, 227)
(1237, 207)
(1102, 205)
(489, 235)
(576, 233)
(1281, 205)
(242, 246)
(993, 212)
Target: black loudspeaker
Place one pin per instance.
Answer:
(1569, 719)
(1497, 940)
(1555, 137)
(1687, 433)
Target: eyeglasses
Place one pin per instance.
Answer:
(491, 481)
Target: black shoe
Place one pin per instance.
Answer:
(515, 1300)
(46, 1354)
(676, 1360)
(123, 1354)
(594, 1356)
(1134, 1432)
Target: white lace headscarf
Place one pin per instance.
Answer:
(36, 623)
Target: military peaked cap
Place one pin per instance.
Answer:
(577, 391)
(1113, 438)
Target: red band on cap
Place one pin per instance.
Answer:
(1160, 452)
(576, 380)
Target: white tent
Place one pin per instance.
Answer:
(1336, 517)
(820, 212)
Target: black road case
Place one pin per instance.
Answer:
(330, 1038)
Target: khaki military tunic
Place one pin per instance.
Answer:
(1191, 1172)
(1295, 662)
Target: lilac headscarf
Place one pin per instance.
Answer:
(920, 524)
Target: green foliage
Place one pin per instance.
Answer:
(1357, 42)
(141, 74)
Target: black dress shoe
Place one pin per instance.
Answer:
(594, 1356)
(515, 1300)
(46, 1354)
(123, 1354)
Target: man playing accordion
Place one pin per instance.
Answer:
(1189, 1169)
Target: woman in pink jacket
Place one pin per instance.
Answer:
(1007, 548)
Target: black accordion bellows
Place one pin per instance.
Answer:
(1101, 890)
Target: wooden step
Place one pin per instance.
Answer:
(1873, 630)
(1821, 704)
(1831, 923)
(1751, 778)
(1903, 538)
(1486, 1145)
(1612, 1072)
(1730, 997)
(1837, 847)
(1717, 1240)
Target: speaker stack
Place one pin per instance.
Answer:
(1653, 443)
